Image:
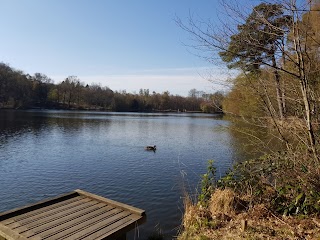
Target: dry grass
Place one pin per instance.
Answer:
(225, 202)
(224, 220)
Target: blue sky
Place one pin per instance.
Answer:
(122, 44)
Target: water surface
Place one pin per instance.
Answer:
(46, 153)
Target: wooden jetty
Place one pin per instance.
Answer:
(76, 215)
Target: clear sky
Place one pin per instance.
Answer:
(122, 44)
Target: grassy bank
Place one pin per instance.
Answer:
(223, 219)
(274, 197)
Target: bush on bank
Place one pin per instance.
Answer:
(276, 196)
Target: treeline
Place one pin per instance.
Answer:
(20, 90)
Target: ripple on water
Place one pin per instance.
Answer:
(44, 154)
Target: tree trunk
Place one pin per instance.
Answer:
(308, 118)
(283, 87)
(283, 99)
(278, 87)
(304, 88)
(69, 101)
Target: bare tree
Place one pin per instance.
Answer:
(274, 37)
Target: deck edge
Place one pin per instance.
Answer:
(123, 206)
(46, 202)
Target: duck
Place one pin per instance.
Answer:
(152, 148)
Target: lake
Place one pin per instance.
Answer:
(47, 153)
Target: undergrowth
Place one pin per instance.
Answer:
(273, 193)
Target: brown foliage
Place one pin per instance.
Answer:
(200, 223)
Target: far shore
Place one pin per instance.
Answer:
(106, 109)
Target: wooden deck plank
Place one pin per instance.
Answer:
(41, 210)
(76, 215)
(9, 234)
(83, 225)
(63, 227)
(111, 202)
(41, 204)
(58, 219)
(85, 232)
(113, 228)
(42, 217)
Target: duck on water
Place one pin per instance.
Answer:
(151, 148)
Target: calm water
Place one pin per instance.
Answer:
(46, 153)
